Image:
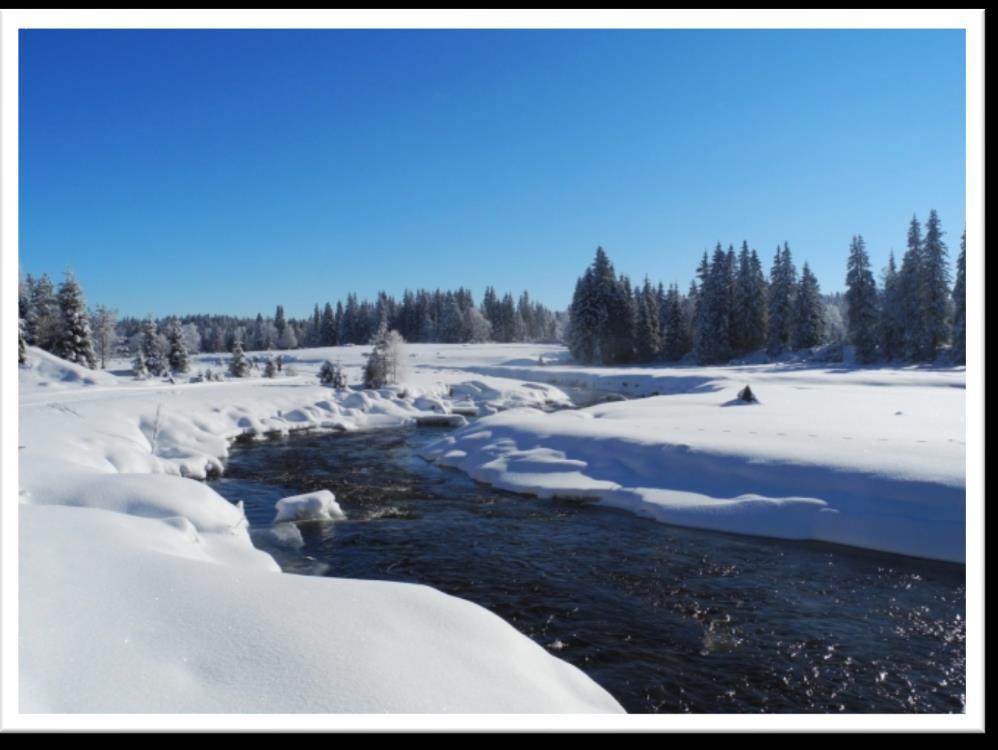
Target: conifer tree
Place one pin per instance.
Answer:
(782, 289)
(239, 365)
(911, 294)
(861, 301)
(42, 321)
(959, 351)
(177, 356)
(76, 343)
(139, 365)
(892, 337)
(327, 327)
(270, 369)
(648, 338)
(676, 342)
(935, 286)
(152, 350)
(22, 351)
(809, 315)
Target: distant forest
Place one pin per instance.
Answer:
(731, 310)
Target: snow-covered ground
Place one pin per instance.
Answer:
(140, 590)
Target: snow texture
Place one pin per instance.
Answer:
(140, 590)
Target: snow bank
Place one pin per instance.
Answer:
(124, 614)
(140, 590)
(823, 457)
(313, 506)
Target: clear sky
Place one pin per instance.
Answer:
(229, 171)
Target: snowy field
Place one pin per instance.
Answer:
(140, 590)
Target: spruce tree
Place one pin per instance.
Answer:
(76, 343)
(239, 365)
(809, 315)
(959, 351)
(42, 321)
(177, 356)
(782, 289)
(139, 367)
(676, 343)
(152, 351)
(861, 302)
(935, 286)
(892, 323)
(911, 294)
(327, 327)
(22, 351)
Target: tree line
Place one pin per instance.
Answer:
(732, 309)
(420, 316)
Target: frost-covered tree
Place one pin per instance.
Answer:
(239, 365)
(959, 351)
(152, 348)
(809, 312)
(103, 321)
(177, 356)
(287, 339)
(139, 368)
(42, 321)
(333, 375)
(935, 287)
(270, 369)
(75, 343)
(862, 315)
(22, 349)
(385, 365)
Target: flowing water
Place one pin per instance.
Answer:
(666, 619)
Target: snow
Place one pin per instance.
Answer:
(312, 506)
(873, 459)
(140, 590)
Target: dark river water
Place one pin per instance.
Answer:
(666, 619)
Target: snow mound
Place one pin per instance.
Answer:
(44, 370)
(312, 506)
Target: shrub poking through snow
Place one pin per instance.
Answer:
(271, 368)
(239, 366)
(745, 394)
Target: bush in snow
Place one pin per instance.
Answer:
(270, 369)
(239, 366)
(333, 375)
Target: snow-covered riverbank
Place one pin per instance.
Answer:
(140, 590)
(869, 458)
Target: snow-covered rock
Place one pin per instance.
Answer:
(312, 506)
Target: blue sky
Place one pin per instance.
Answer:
(230, 171)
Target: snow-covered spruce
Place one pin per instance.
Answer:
(75, 342)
